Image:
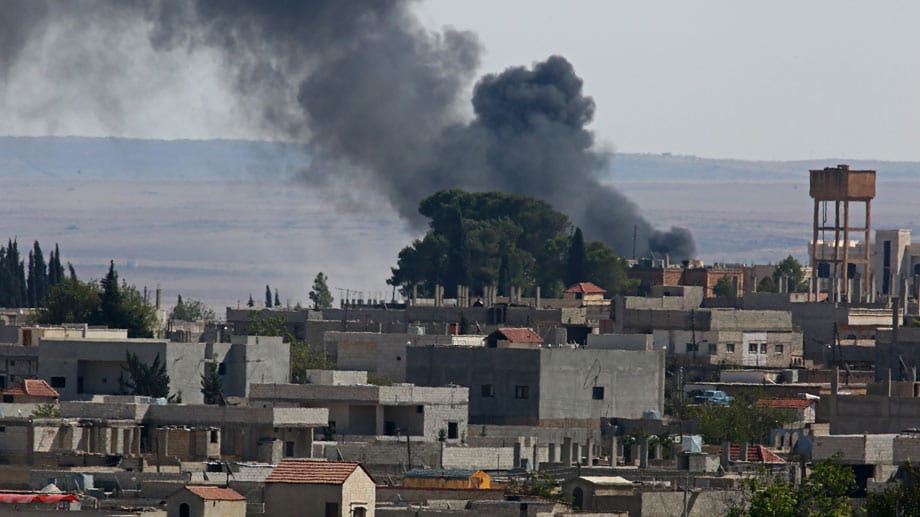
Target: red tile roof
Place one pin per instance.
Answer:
(520, 335)
(32, 388)
(312, 472)
(585, 288)
(785, 403)
(215, 493)
(755, 454)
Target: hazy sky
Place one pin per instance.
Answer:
(765, 80)
(756, 80)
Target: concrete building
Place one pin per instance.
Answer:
(384, 355)
(80, 368)
(721, 336)
(32, 441)
(366, 410)
(651, 273)
(206, 501)
(33, 334)
(548, 386)
(321, 488)
(263, 434)
(17, 363)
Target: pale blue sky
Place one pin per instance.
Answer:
(755, 80)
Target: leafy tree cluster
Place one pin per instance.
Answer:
(303, 357)
(901, 497)
(492, 238)
(791, 269)
(538, 485)
(28, 286)
(824, 492)
(741, 421)
(191, 310)
(105, 303)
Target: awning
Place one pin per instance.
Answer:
(37, 498)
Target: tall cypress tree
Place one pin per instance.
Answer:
(111, 298)
(576, 262)
(38, 278)
(277, 299)
(55, 269)
(268, 296)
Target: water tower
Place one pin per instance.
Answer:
(841, 186)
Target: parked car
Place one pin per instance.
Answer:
(713, 397)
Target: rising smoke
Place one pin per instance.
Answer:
(377, 97)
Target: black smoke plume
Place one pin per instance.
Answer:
(374, 94)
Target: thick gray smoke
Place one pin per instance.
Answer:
(374, 94)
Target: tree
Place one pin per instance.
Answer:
(73, 301)
(607, 270)
(143, 379)
(576, 266)
(824, 492)
(55, 269)
(111, 294)
(319, 294)
(268, 296)
(251, 302)
(212, 384)
(46, 410)
(743, 420)
(724, 288)
(277, 298)
(901, 497)
(71, 271)
(191, 310)
(303, 357)
(766, 285)
(792, 271)
(37, 283)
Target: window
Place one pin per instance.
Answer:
(752, 348)
(332, 510)
(597, 393)
(222, 369)
(488, 390)
(12, 363)
(779, 349)
(712, 349)
(730, 348)
(288, 449)
(184, 510)
(214, 436)
(453, 431)
(420, 409)
(693, 347)
(521, 392)
(7, 398)
(763, 348)
(58, 382)
(2, 428)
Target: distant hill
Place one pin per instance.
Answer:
(121, 158)
(667, 167)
